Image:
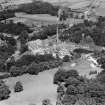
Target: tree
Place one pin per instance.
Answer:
(72, 73)
(72, 81)
(69, 99)
(23, 49)
(38, 7)
(4, 91)
(46, 102)
(33, 69)
(18, 87)
(81, 89)
(16, 71)
(23, 37)
(59, 76)
(62, 75)
(80, 102)
(44, 66)
(89, 101)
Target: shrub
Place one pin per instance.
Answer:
(16, 71)
(28, 59)
(69, 99)
(9, 28)
(90, 91)
(6, 14)
(46, 102)
(59, 76)
(93, 29)
(33, 69)
(80, 50)
(44, 66)
(52, 64)
(4, 91)
(81, 88)
(2, 66)
(72, 73)
(18, 87)
(45, 32)
(72, 81)
(4, 76)
(38, 7)
(101, 61)
(95, 89)
(101, 78)
(58, 62)
(66, 58)
(33, 64)
(62, 75)
(93, 72)
(24, 48)
(55, 63)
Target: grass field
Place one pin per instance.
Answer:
(36, 88)
(45, 19)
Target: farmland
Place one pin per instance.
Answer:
(43, 19)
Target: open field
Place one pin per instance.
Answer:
(45, 19)
(36, 88)
(83, 66)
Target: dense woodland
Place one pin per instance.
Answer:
(4, 91)
(6, 14)
(13, 28)
(96, 30)
(38, 7)
(74, 34)
(80, 89)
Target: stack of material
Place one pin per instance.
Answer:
(42, 47)
(35, 46)
(63, 51)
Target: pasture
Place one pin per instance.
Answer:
(83, 66)
(36, 88)
(37, 19)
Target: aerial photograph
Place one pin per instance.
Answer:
(52, 52)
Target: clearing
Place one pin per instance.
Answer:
(83, 66)
(36, 88)
(35, 19)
